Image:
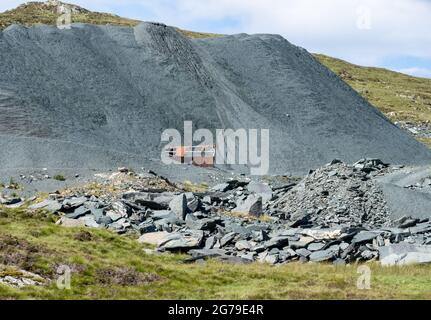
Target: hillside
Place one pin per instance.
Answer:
(400, 97)
(164, 78)
(32, 13)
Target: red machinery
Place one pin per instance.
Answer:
(202, 155)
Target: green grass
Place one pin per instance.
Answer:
(400, 97)
(33, 13)
(426, 141)
(59, 177)
(108, 266)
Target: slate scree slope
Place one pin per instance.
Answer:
(98, 96)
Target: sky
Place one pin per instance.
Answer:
(394, 34)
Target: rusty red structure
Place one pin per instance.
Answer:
(201, 156)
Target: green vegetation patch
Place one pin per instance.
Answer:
(400, 97)
(108, 266)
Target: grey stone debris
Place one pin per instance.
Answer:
(326, 217)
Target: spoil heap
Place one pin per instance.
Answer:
(100, 96)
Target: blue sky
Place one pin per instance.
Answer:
(394, 34)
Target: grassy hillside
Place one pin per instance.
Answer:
(399, 96)
(107, 266)
(43, 13)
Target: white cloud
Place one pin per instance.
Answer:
(417, 72)
(398, 27)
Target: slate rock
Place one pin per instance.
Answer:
(79, 212)
(202, 224)
(146, 227)
(50, 205)
(121, 208)
(10, 201)
(242, 245)
(193, 203)
(251, 206)
(364, 237)
(163, 214)
(153, 238)
(421, 228)
(103, 220)
(267, 257)
(277, 242)
(302, 242)
(206, 253)
(303, 252)
(210, 242)
(260, 236)
(315, 246)
(261, 189)
(151, 203)
(227, 239)
(182, 241)
(113, 215)
(73, 203)
(222, 187)
(178, 205)
(90, 221)
(322, 255)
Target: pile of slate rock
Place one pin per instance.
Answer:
(338, 194)
(335, 214)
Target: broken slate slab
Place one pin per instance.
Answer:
(202, 224)
(73, 203)
(178, 205)
(206, 253)
(79, 212)
(50, 205)
(251, 206)
(243, 245)
(182, 241)
(153, 238)
(364, 237)
(277, 242)
(261, 189)
(315, 246)
(228, 238)
(302, 242)
(322, 255)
